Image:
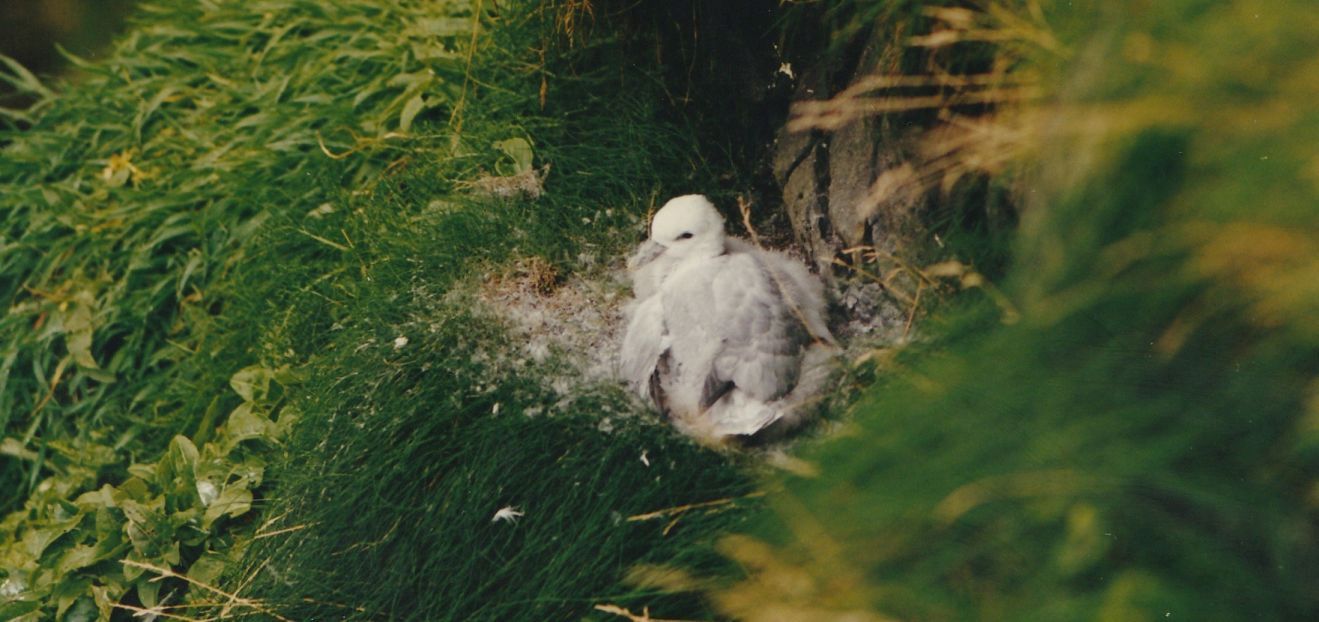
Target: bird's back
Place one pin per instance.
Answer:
(732, 328)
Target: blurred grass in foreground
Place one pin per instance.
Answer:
(1143, 441)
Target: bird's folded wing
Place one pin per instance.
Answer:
(643, 343)
(802, 291)
(761, 339)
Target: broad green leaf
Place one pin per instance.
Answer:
(288, 416)
(83, 610)
(93, 499)
(251, 383)
(15, 609)
(64, 510)
(152, 535)
(251, 471)
(36, 540)
(131, 572)
(286, 375)
(171, 555)
(135, 512)
(108, 524)
(186, 452)
(245, 424)
(519, 149)
(135, 488)
(234, 500)
(106, 596)
(148, 590)
(208, 568)
(111, 545)
(68, 591)
(77, 558)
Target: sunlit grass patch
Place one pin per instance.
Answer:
(129, 197)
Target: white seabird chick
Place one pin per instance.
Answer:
(724, 337)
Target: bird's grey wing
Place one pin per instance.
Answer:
(761, 340)
(644, 342)
(801, 290)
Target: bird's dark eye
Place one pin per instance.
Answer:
(686, 235)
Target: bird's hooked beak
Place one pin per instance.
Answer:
(649, 251)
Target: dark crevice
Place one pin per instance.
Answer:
(819, 220)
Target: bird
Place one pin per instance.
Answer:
(724, 337)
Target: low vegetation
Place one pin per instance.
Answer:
(247, 369)
(217, 236)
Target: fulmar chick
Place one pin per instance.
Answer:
(726, 338)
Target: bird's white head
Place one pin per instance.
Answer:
(689, 226)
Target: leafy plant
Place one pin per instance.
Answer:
(129, 199)
(79, 555)
(202, 231)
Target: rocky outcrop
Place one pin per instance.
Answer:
(828, 178)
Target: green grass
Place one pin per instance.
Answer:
(401, 458)
(220, 113)
(212, 239)
(217, 233)
(398, 479)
